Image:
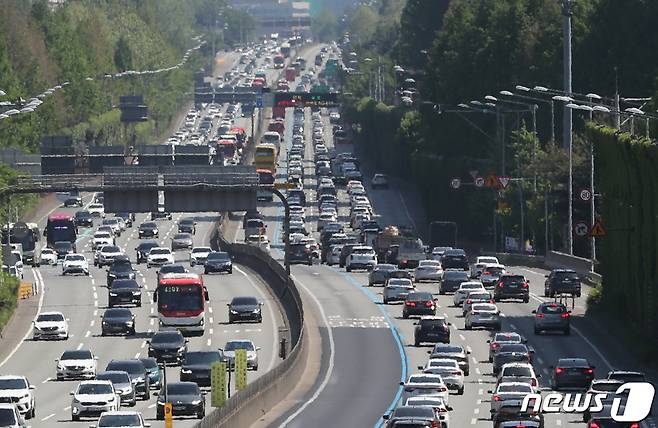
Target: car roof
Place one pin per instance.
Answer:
(50, 313)
(572, 362)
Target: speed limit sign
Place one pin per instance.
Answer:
(455, 183)
(585, 195)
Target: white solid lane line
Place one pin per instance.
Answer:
(47, 417)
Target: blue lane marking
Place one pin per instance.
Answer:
(396, 335)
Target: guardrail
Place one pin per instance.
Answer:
(247, 405)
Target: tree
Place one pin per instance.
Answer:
(325, 26)
(123, 55)
(419, 23)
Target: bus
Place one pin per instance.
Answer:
(265, 156)
(22, 234)
(181, 299)
(60, 227)
(272, 137)
(285, 49)
(265, 177)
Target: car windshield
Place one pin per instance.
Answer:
(149, 363)
(172, 269)
(424, 379)
(117, 313)
(131, 420)
(148, 226)
(102, 235)
(507, 337)
(63, 245)
(95, 388)
(7, 417)
(448, 349)
(116, 377)
(124, 283)
(182, 389)
(186, 222)
(517, 371)
(414, 411)
(516, 387)
(200, 250)
(419, 297)
(471, 286)
(454, 275)
(76, 355)
(244, 301)
(181, 236)
(121, 266)
(443, 363)
(50, 317)
(218, 256)
(479, 296)
(13, 384)
(166, 337)
(160, 251)
(111, 249)
(400, 282)
(239, 344)
(82, 214)
(202, 357)
(573, 362)
(513, 347)
(130, 367)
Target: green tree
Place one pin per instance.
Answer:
(123, 55)
(419, 24)
(325, 26)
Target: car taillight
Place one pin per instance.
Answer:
(589, 371)
(412, 304)
(540, 315)
(491, 301)
(565, 315)
(435, 424)
(496, 398)
(486, 273)
(456, 373)
(594, 425)
(442, 410)
(635, 425)
(429, 304)
(469, 301)
(534, 382)
(524, 285)
(501, 285)
(443, 389)
(558, 370)
(494, 345)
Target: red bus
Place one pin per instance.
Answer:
(60, 227)
(181, 299)
(265, 177)
(228, 150)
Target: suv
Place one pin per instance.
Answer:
(138, 375)
(512, 287)
(455, 259)
(300, 253)
(552, 316)
(562, 281)
(121, 268)
(451, 280)
(432, 329)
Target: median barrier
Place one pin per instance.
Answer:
(248, 405)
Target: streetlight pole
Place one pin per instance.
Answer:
(568, 118)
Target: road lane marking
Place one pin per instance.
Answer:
(210, 309)
(80, 346)
(151, 406)
(558, 422)
(461, 336)
(480, 391)
(474, 421)
(96, 312)
(48, 417)
(212, 320)
(143, 344)
(88, 333)
(208, 342)
(210, 331)
(477, 370)
(137, 355)
(476, 411)
(48, 379)
(67, 408)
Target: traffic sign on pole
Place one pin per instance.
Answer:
(240, 369)
(581, 228)
(474, 173)
(218, 384)
(479, 182)
(598, 230)
(585, 195)
(504, 181)
(168, 415)
(491, 182)
(455, 183)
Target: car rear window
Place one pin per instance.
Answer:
(517, 387)
(513, 347)
(413, 411)
(454, 275)
(517, 371)
(516, 279)
(573, 362)
(429, 323)
(552, 309)
(419, 297)
(567, 276)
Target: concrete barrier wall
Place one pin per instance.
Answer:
(248, 405)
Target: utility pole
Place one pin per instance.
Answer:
(568, 118)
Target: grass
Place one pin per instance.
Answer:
(8, 298)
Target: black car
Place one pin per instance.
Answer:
(196, 366)
(300, 254)
(73, 199)
(118, 320)
(128, 218)
(124, 292)
(186, 399)
(451, 280)
(62, 248)
(148, 230)
(419, 303)
(155, 215)
(187, 225)
(83, 218)
(172, 268)
(455, 259)
(510, 353)
(245, 308)
(432, 329)
(138, 375)
(168, 346)
(512, 287)
(404, 415)
(572, 373)
(143, 249)
(218, 261)
(510, 410)
(562, 281)
(453, 352)
(121, 268)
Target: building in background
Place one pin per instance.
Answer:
(277, 16)
(337, 7)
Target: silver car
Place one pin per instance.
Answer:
(475, 297)
(397, 290)
(551, 316)
(483, 315)
(463, 291)
(451, 373)
(491, 274)
(181, 240)
(228, 352)
(509, 391)
(428, 270)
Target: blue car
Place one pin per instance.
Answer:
(153, 371)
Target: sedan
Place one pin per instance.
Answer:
(148, 230)
(419, 303)
(432, 329)
(93, 397)
(17, 390)
(453, 352)
(187, 399)
(428, 270)
(124, 292)
(483, 315)
(198, 255)
(50, 325)
(153, 371)
(551, 316)
(509, 391)
(121, 268)
(48, 256)
(510, 353)
(572, 373)
(79, 364)
(245, 308)
(502, 339)
(122, 419)
(475, 297)
(107, 254)
(197, 365)
(168, 346)
(228, 352)
(187, 225)
(414, 416)
(181, 241)
(143, 249)
(122, 385)
(464, 289)
(159, 256)
(449, 370)
(218, 261)
(118, 320)
(424, 384)
(379, 274)
(451, 280)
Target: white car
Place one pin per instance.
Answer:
(518, 372)
(324, 218)
(440, 407)
(260, 241)
(18, 390)
(361, 257)
(449, 370)
(198, 255)
(48, 256)
(96, 210)
(101, 238)
(480, 263)
(50, 325)
(428, 270)
(11, 417)
(76, 364)
(115, 224)
(464, 289)
(379, 180)
(121, 419)
(75, 263)
(425, 384)
(106, 255)
(474, 297)
(483, 315)
(93, 397)
(159, 256)
(509, 391)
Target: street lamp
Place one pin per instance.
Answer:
(525, 97)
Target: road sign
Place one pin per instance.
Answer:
(585, 195)
(474, 173)
(218, 389)
(168, 413)
(240, 369)
(491, 182)
(504, 181)
(598, 230)
(581, 228)
(455, 183)
(479, 182)
(259, 102)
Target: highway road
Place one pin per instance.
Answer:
(368, 347)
